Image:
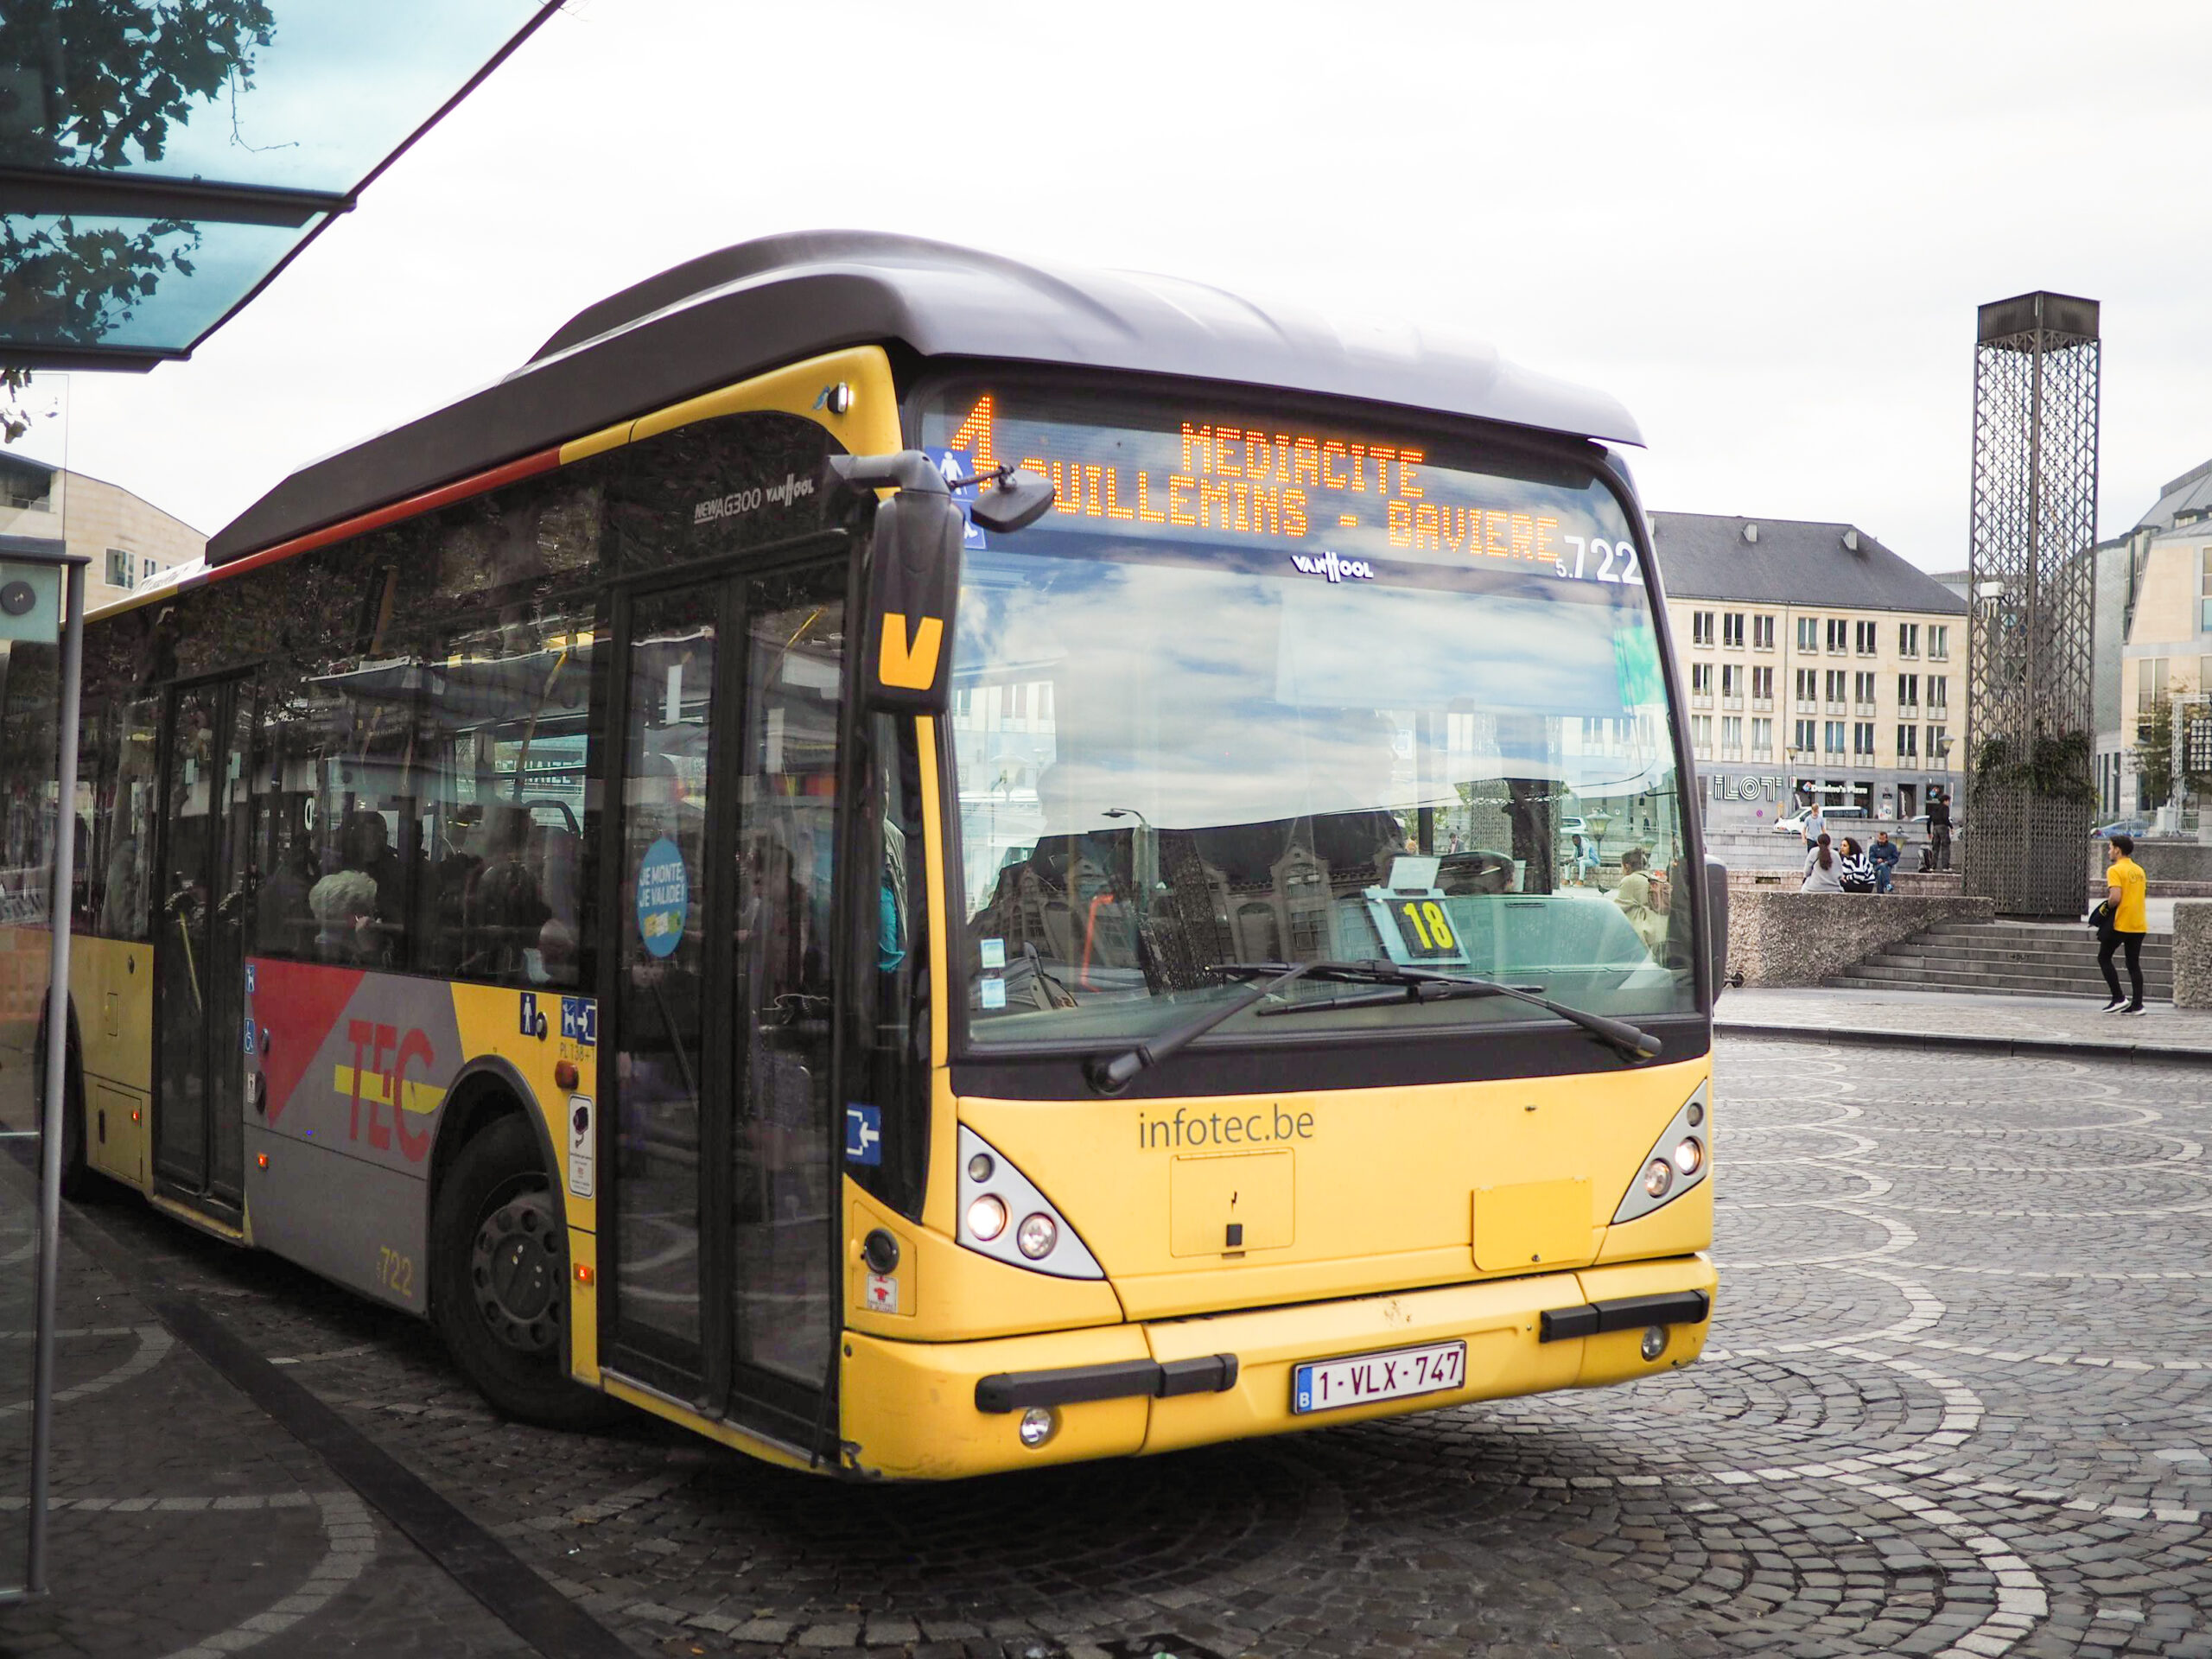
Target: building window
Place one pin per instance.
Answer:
(1936, 742)
(1907, 744)
(1803, 740)
(149, 568)
(1839, 634)
(1909, 690)
(26, 493)
(1731, 683)
(1908, 638)
(1732, 735)
(2204, 603)
(1835, 685)
(1702, 733)
(1701, 627)
(1809, 633)
(1832, 737)
(1862, 689)
(1731, 628)
(1862, 738)
(2152, 674)
(1808, 685)
(120, 567)
(1762, 633)
(1939, 691)
(1864, 633)
(1701, 679)
(1938, 640)
(1763, 739)
(1762, 685)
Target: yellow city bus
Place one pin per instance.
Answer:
(928, 866)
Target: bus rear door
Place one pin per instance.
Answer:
(200, 906)
(718, 1228)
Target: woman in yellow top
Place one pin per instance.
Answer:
(2124, 885)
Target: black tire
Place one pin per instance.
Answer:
(500, 1281)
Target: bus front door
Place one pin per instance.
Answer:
(719, 1256)
(199, 948)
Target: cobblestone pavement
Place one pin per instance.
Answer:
(2162, 1029)
(1958, 1402)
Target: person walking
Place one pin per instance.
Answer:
(1823, 869)
(1814, 827)
(1939, 829)
(2124, 884)
(1883, 855)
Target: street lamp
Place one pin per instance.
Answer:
(1597, 823)
(1145, 853)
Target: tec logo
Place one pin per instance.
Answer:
(864, 1135)
(580, 1020)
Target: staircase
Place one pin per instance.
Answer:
(2008, 959)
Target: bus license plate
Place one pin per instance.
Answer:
(1329, 1384)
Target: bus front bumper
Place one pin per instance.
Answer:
(943, 1410)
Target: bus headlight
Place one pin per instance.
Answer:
(1037, 1237)
(1004, 1216)
(1679, 1161)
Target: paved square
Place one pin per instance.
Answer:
(1958, 1402)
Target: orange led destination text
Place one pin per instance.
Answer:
(1260, 483)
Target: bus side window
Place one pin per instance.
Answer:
(124, 876)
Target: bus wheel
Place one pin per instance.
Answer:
(500, 1281)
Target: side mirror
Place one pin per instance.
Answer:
(913, 570)
(1016, 501)
(911, 584)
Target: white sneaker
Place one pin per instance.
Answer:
(2115, 1005)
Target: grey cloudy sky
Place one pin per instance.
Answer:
(1765, 228)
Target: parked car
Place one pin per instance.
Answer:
(1795, 824)
(2137, 826)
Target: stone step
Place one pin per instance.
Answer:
(1899, 961)
(1857, 982)
(1911, 972)
(1944, 949)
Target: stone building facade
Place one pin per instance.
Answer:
(1818, 665)
(128, 540)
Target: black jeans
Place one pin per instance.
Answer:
(2133, 943)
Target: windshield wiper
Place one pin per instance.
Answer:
(1633, 1042)
(1110, 1074)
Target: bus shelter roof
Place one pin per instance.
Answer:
(159, 165)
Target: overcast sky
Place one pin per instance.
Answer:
(1765, 230)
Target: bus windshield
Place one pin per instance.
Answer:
(1255, 692)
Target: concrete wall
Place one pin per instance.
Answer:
(1800, 939)
(2192, 954)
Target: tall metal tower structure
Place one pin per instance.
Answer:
(2031, 604)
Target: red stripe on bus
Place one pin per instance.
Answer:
(544, 462)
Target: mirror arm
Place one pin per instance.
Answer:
(908, 470)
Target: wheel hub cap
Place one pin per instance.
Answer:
(516, 1265)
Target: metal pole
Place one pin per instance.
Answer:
(60, 908)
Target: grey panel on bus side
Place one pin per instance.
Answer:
(724, 316)
(355, 1223)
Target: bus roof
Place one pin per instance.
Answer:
(726, 315)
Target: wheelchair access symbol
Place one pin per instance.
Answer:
(864, 1135)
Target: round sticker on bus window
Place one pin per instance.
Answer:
(663, 896)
